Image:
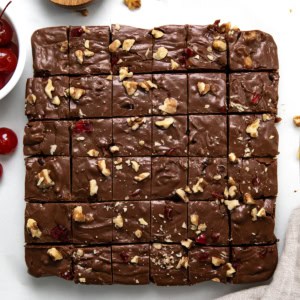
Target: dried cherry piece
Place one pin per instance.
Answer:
(255, 98)
(203, 255)
(76, 32)
(83, 126)
(60, 233)
(168, 212)
(201, 239)
(66, 275)
(215, 236)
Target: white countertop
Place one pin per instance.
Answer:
(279, 18)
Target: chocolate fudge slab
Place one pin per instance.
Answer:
(132, 178)
(47, 138)
(254, 264)
(133, 136)
(168, 264)
(47, 179)
(208, 263)
(92, 134)
(47, 98)
(168, 221)
(168, 175)
(253, 136)
(170, 96)
(208, 136)
(50, 51)
(90, 97)
(131, 222)
(92, 223)
(92, 179)
(170, 136)
(258, 177)
(252, 50)
(208, 223)
(130, 264)
(207, 93)
(253, 92)
(207, 178)
(48, 223)
(253, 224)
(173, 41)
(40, 262)
(206, 47)
(131, 47)
(89, 50)
(92, 265)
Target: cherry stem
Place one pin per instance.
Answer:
(4, 9)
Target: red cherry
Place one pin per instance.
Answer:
(8, 141)
(201, 239)
(14, 48)
(76, 32)
(6, 31)
(1, 171)
(83, 126)
(8, 61)
(60, 233)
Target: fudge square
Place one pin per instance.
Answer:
(168, 264)
(50, 51)
(47, 179)
(90, 97)
(92, 265)
(253, 136)
(92, 179)
(253, 223)
(208, 136)
(49, 261)
(131, 222)
(130, 264)
(169, 47)
(132, 178)
(47, 98)
(89, 50)
(131, 48)
(208, 263)
(253, 92)
(254, 263)
(208, 222)
(92, 223)
(48, 223)
(168, 221)
(207, 93)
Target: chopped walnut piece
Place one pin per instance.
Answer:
(266, 117)
(53, 149)
(248, 199)
(56, 101)
(88, 53)
(114, 46)
(219, 45)
(203, 88)
(138, 233)
(118, 221)
(157, 246)
(133, 4)
(109, 77)
(143, 222)
(93, 187)
(79, 56)
(141, 143)
(196, 188)
(252, 128)
(54, 254)
(127, 44)
(147, 85)
(114, 149)
(230, 270)
(232, 157)
(169, 106)
(232, 191)
(76, 93)
(297, 121)
(118, 160)
(261, 213)
(174, 64)
(135, 165)
(202, 227)
(87, 44)
(217, 262)
(248, 62)
(78, 215)
(93, 153)
(165, 123)
(232, 204)
(182, 194)
(254, 214)
(135, 260)
(187, 243)
(183, 262)
(157, 34)
(44, 179)
(86, 30)
(215, 279)
(217, 177)
(123, 73)
(130, 86)
(250, 36)
(231, 181)
(64, 47)
(160, 54)
(103, 168)
(49, 88)
(188, 190)
(31, 99)
(33, 229)
(142, 176)
(135, 122)
(194, 219)
(82, 280)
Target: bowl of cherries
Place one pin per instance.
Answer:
(12, 54)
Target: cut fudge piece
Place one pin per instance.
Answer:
(253, 92)
(132, 97)
(131, 47)
(169, 47)
(252, 50)
(253, 135)
(208, 223)
(50, 51)
(89, 50)
(92, 179)
(49, 261)
(92, 223)
(170, 96)
(92, 265)
(170, 136)
(168, 264)
(254, 264)
(47, 138)
(92, 137)
(207, 93)
(131, 222)
(208, 136)
(132, 178)
(206, 47)
(130, 264)
(208, 263)
(46, 98)
(254, 223)
(258, 177)
(47, 179)
(47, 223)
(207, 178)
(133, 136)
(90, 97)
(168, 175)
(168, 221)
